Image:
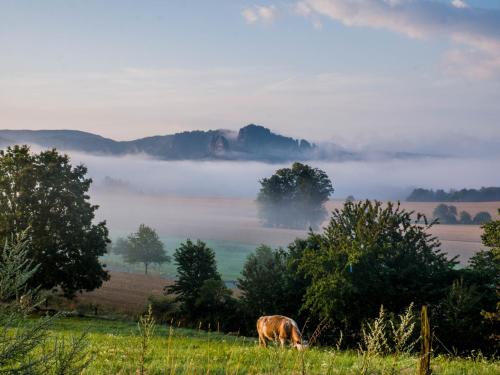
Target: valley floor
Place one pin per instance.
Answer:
(115, 348)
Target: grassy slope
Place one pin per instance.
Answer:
(115, 347)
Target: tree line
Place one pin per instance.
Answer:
(484, 194)
(448, 214)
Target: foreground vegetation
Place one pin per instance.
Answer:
(116, 349)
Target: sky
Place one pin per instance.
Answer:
(411, 75)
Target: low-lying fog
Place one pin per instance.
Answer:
(380, 179)
(214, 200)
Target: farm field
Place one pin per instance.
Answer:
(115, 349)
(123, 294)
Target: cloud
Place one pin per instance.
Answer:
(259, 13)
(474, 32)
(459, 4)
(302, 9)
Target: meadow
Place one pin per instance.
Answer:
(115, 348)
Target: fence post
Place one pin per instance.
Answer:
(424, 367)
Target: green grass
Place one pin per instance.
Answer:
(115, 347)
(230, 257)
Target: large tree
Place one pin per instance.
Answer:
(44, 194)
(270, 282)
(468, 318)
(199, 287)
(143, 246)
(294, 197)
(263, 282)
(445, 214)
(371, 255)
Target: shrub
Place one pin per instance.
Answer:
(162, 307)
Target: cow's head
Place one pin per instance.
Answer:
(301, 346)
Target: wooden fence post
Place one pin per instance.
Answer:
(424, 367)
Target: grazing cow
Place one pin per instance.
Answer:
(278, 327)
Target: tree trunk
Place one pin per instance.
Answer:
(145, 268)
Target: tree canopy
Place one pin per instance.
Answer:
(45, 195)
(262, 284)
(143, 246)
(447, 214)
(371, 255)
(294, 197)
(199, 287)
(484, 194)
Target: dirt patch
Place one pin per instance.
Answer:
(124, 293)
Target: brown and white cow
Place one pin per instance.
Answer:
(278, 327)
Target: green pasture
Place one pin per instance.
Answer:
(115, 349)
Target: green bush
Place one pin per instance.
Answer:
(162, 307)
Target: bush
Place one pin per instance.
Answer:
(162, 307)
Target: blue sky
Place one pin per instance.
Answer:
(363, 73)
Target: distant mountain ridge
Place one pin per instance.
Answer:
(252, 142)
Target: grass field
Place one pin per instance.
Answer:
(115, 348)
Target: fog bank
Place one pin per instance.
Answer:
(375, 179)
(215, 201)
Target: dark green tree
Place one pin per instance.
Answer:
(263, 282)
(199, 287)
(468, 318)
(371, 255)
(216, 306)
(481, 218)
(465, 218)
(145, 247)
(294, 197)
(445, 214)
(484, 270)
(44, 194)
(119, 247)
(491, 234)
(271, 282)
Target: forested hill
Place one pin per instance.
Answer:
(485, 194)
(252, 142)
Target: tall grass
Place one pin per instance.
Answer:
(175, 350)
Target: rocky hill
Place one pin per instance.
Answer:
(252, 142)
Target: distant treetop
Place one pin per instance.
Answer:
(484, 194)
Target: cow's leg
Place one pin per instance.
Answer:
(262, 341)
(282, 342)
